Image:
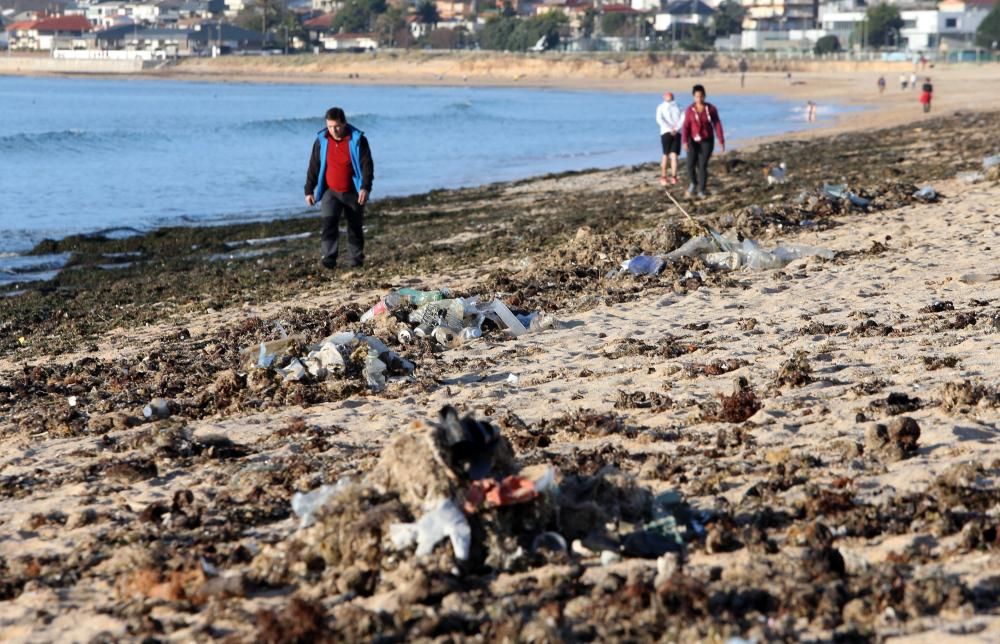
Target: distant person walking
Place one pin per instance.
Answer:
(743, 72)
(810, 111)
(902, 81)
(340, 178)
(926, 94)
(881, 85)
(670, 118)
(913, 81)
(701, 125)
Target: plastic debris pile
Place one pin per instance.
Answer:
(449, 497)
(343, 353)
(721, 252)
(450, 321)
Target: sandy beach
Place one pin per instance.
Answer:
(803, 453)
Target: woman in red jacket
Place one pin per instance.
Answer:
(701, 126)
(926, 94)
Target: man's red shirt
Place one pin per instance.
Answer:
(338, 164)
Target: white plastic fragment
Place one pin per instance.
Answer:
(445, 519)
(294, 371)
(500, 309)
(157, 408)
(305, 504)
(265, 358)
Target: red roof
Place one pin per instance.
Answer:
(62, 23)
(321, 21)
(618, 8)
(20, 26)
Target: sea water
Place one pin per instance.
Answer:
(84, 155)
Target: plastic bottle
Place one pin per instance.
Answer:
(445, 336)
(515, 326)
(420, 297)
(375, 371)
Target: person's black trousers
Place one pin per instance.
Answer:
(697, 162)
(332, 206)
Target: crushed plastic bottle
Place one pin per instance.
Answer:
(444, 519)
(445, 336)
(991, 161)
(694, 247)
(926, 194)
(505, 316)
(374, 371)
(646, 265)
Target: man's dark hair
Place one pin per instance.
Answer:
(698, 88)
(336, 114)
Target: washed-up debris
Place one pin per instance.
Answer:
(444, 519)
(157, 408)
(720, 252)
(777, 174)
(448, 497)
(645, 265)
(839, 192)
(305, 504)
(927, 194)
(451, 321)
(970, 176)
(331, 356)
(991, 161)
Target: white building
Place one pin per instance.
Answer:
(682, 13)
(349, 42)
(953, 22)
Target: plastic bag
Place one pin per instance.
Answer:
(444, 520)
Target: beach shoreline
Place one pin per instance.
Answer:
(821, 436)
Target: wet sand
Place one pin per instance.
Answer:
(773, 405)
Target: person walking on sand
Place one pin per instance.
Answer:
(927, 92)
(913, 81)
(701, 125)
(743, 72)
(670, 118)
(902, 81)
(339, 179)
(881, 85)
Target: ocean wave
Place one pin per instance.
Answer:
(291, 124)
(72, 139)
(31, 268)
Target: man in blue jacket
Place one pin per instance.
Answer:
(340, 178)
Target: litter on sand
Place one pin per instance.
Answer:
(721, 253)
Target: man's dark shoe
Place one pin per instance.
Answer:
(328, 263)
(357, 264)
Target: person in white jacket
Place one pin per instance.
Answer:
(670, 118)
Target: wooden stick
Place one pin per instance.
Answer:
(697, 223)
